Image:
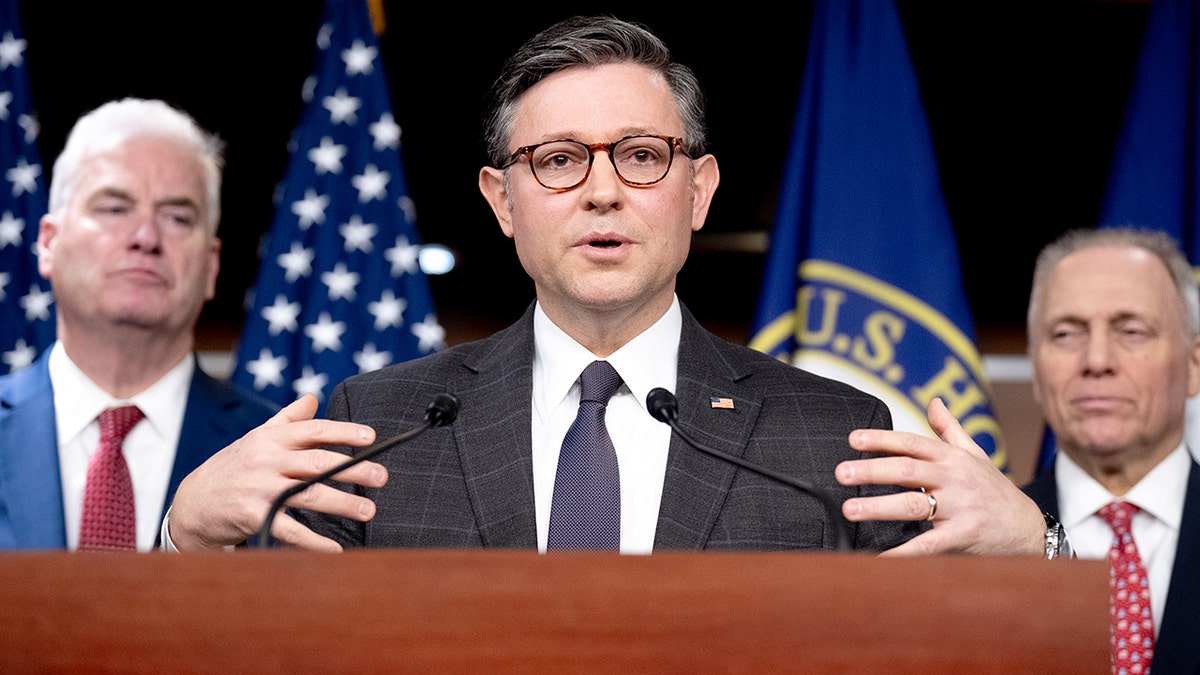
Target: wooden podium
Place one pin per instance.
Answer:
(507, 611)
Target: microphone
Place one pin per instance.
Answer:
(665, 408)
(441, 411)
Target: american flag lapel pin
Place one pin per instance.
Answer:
(721, 402)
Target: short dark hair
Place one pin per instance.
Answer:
(589, 41)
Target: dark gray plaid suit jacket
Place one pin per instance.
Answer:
(471, 484)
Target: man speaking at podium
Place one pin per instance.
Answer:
(599, 176)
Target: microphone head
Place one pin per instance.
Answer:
(442, 410)
(662, 405)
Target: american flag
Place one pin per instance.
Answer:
(26, 303)
(339, 290)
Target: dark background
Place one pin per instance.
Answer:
(1025, 100)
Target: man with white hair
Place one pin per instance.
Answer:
(1114, 340)
(97, 434)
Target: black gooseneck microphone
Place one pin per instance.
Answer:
(441, 411)
(664, 408)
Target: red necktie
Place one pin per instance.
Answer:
(1133, 625)
(109, 522)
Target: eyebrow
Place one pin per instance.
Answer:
(119, 193)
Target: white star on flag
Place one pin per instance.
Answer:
(403, 256)
(341, 282)
(371, 183)
(386, 132)
(325, 333)
(282, 315)
(358, 234)
(23, 177)
(343, 109)
(37, 304)
(296, 262)
(430, 334)
(368, 359)
(12, 51)
(10, 230)
(311, 209)
(327, 157)
(359, 58)
(267, 369)
(388, 310)
(20, 356)
(311, 382)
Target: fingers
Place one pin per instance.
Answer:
(907, 505)
(285, 529)
(226, 499)
(332, 501)
(947, 427)
(303, 408)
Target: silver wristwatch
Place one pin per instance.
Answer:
(1057, 544)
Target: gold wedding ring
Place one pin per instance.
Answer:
(932, 504)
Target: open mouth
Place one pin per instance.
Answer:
(604, 244)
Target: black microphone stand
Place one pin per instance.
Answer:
(442, 410)
(664, 408)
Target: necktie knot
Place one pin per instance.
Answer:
(116, 423)
(598, 382)
(1119, 516)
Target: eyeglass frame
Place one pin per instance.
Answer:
(526, 151)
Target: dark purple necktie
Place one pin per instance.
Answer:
(586, 509)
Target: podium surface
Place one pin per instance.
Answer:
(513, 611)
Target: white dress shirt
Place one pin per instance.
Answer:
(1159, 497)
(149, 448)
(650, 360)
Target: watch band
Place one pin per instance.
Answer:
(1057, 544)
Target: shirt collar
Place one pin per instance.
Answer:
(647, 361)
(1160, 493)
(78, 401)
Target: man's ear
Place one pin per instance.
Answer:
(705, 178)
(1194, 368)
(47, 231)
(495, 190)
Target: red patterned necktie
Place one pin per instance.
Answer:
(109, 522)
(1133, 624)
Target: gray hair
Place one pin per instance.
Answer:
(589, 41)
(117, 122)
(1155, 242)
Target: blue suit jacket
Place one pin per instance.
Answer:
(1177, 649)
(31, 501)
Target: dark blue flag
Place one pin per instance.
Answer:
(27, 322)
(339, 289)
(1154, 181)
(863, 281)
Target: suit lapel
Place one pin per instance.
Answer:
(494, 438)
(1177, 650)
(30, 483)
(207, 416)
(696, 484)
